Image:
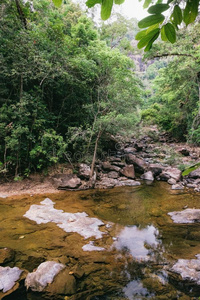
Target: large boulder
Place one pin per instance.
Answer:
(170, 173)
(147, 176)
(84, 171)
(128, 171)
(108, 167)
(156, 169)
(189, 215)
(66, 181)
(139, 164)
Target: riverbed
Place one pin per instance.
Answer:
(131, 253)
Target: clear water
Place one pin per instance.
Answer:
(141, 241)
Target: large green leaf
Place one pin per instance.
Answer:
(150, 43)
(91, 3)
(190, 169)
(146, 3)
(163, 35)
(177, 16)
(151, 20)
(57, 3)
(119, 1)
(140, 35)
(191, 11)
(106, 8)
(148, 37)
(170, 32)
(158, 8)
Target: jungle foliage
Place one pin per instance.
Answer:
(61, 86)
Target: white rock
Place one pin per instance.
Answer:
(44, 275)
(91, 247)
(8, 277)
(189, 215)
(69, 222)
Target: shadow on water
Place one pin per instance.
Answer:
(140, 240)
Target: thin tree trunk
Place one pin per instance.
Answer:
(92, 179)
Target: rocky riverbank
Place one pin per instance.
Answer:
(152, 157)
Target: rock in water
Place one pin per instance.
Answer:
(189, 215)
(45, 273)
(8, 277)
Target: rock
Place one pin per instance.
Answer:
(139, 164)
(106, 183)
(189, 269)
(8, 278)
(63, 284)
(139, 146)
(184, 151)
(108, 167)
(170, 173)
(189, 215)
(129, 150)
(6, 255)
(128, 171)
(171, 181)
(177, 186)
(114, 159)
(156, 169)
(194, 174)
(78, 272)
(128, 183)
(84, 171)
(66, 181)
(147, 176)
(37, 281)
(113, 174)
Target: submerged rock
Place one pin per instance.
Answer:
(45, 273)
(91, 247)
(189, 269)
(6, 255)
(189, 215)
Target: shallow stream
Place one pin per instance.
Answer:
(138, 242)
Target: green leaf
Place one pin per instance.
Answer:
(163, 35)
(148, 37)
(150, 43)
(191, 11)
(57, 3)
(146, 3)
(151, 20)
(169, 1)
(106, 8)
(91, 3)
(177, 16)
(158, 8)
(190, 169)
(170, 32)
(119, 1)
(140, 35)
(152, 28)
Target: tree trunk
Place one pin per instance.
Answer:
(92, 175)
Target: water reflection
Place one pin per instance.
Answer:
(138, 242)
(135, 290)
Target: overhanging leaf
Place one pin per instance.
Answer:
(91, 3)
(163, 35)
(148, 37)
(119, 1)
(158, 8)
(190, 169)
(106, 8)
(177, 16)
(191, 11)
(146, 3)
(57, 3)
(150, 43)
(151, 20)
(140, 35)
(170, 32)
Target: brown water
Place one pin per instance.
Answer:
(141, 242)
